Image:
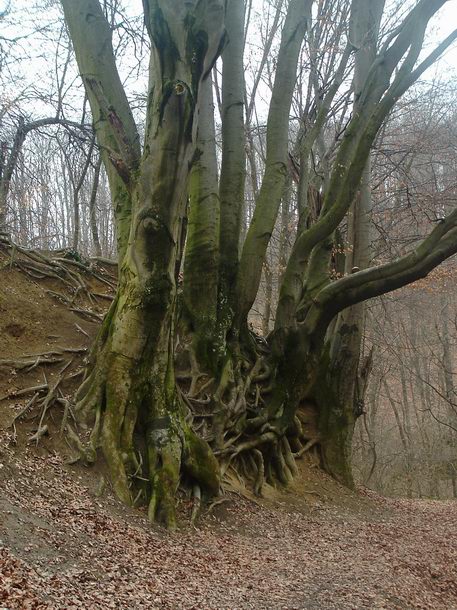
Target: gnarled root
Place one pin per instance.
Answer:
(143, 423)
(164, 455)
(148, 450)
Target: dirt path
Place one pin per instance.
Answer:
(64, 548)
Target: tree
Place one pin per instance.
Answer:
(8, 159)
(178, 389)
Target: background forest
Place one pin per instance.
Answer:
(55, 195)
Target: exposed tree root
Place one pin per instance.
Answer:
(42, 431)
(30, 364)
(24, 391)
(191, 434)
(311, 443)
(62, 266)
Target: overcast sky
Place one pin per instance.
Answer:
(41, 48)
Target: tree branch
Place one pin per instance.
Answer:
(372, 282)
(268, 200)
(375, 103)
(113, 120)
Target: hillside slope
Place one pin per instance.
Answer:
(66, 543)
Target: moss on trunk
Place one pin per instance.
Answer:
(142, 429)
(336, 427)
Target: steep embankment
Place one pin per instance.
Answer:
(50, 307)
(66, 543)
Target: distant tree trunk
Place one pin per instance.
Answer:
(77, 186)
(93, 208)
(8, 167)
(405, 441)
(8, 162)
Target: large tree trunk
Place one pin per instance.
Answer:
(233, 162)
(341, 390)
(130, 393)
(201, 261)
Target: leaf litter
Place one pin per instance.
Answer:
(62, 547)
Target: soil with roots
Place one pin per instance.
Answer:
(67, 543)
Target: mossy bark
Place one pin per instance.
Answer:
(145, 438)
(130, 392)
(343, 383)
(201, 261)
(333, 394)
(274, 178)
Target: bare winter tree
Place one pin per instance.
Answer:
(238, 401)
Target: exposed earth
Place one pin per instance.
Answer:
(67, 543)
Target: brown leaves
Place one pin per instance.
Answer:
(64, 548)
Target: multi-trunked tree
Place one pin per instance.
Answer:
(178, 390)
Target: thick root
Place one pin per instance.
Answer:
(164, 467)
(258, 486)
(201, 464)
(170, 455)
(118, 396)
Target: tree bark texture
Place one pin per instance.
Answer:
(131, 390)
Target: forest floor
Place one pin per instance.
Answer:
(66, 543)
